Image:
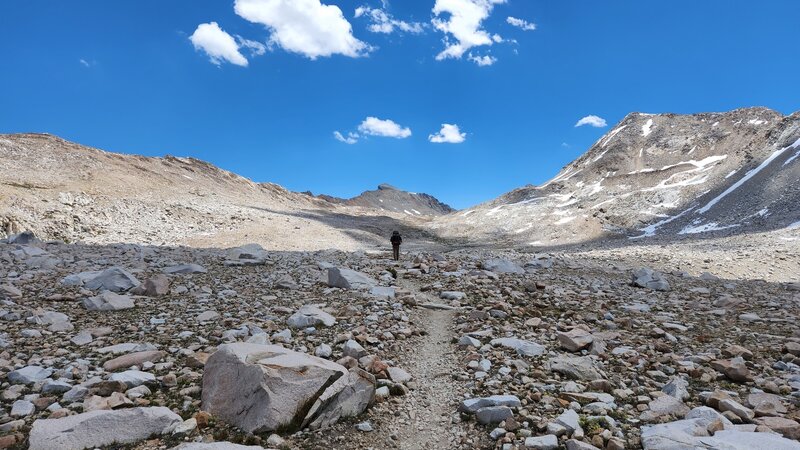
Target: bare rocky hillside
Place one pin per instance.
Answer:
(61, 190)
(390, 198)
(657, 175)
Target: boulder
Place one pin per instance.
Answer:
(156, 286)
(246, 255)
(133, 378)
(575, 340)
(648, 278)
(471, 406)
(664, 406)
(546, 442)
(522, 347)
(101, 428)
(184, 269)
(115, 279)
(576, 368)
(349, 279)
(493, 414)
(786, 427)
(262, 388)
(108, 301)
(735, 369)
(29, 375)
(310, 316)
(216, 446)
(133, 359)
(502, 266)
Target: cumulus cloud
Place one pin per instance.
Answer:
(307, 27)
(217, 44)
(462, 28)
(449, 134)
(383, 22)
(520, 23)
(351, 137)
(373, 126)
(594, 121)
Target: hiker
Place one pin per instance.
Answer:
(396, 241)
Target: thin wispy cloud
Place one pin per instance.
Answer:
(383, 22)
(351, 137)
(521, 23)
(592, 121)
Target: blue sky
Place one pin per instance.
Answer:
(147, 77)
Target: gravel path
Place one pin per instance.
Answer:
(433, 403)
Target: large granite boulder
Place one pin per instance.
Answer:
(310, 316)
(349, 279)
(108, 301)
(115, 279)
(246, 255)
(502, 266)
(262, 388)
(102, 428)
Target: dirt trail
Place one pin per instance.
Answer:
(431, 406)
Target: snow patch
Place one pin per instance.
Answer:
(747, 176)
(756, 122)
(650, 230)
(704, 228)
(731, 174)
(611, 135)
(647, 128)
(794, 226)
(791, 159)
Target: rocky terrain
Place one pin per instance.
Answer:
(62, 190)
(163, 303)
(390, 198)
(173, 347)
(655, 176)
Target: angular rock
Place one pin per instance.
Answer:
(735, 369)
(575, 340)
(664, 406)
(349, 279)
(133, 359)
(502, 266)
(546, 442)
(29, 375)
(101, 428)
(577, 368)
(788, 428)
(648, 278)
(471, 406)
(133, 378)
(310, 316)
(185, 269)
(493, 414)
(266, 387)
(522, 347)
(115, 279)
(108, 301)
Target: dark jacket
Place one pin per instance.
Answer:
(396, 239)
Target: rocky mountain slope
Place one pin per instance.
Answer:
(658, 175)
(62, 190)
(390, 198)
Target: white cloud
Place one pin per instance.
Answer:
(307, 27)
(256, 48)
(462, 28)
(351, 138)
(482, 61)
(520, 23)
(449, 134)
(217, 44)
(373, 126)
(85, 63)
(595, 121)
(383, 22)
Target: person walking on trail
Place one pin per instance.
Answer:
(396, 241)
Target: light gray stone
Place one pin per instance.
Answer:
(114, 279)
(185, 269)
(503, 266)
(575, 367)
(108, 301)
(546, 442)
(310, 316)
(29, 374)
(349, 279)
(101, 428)
(522, 347)
(266, 387)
